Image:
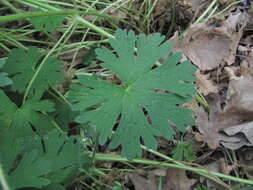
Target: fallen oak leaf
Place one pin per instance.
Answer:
(211, 124)
(246, 129)
(177, 180)
(209, 46)
(246, 161)
(236, 115)
(239, 96)
(141, 183)
(204, 85)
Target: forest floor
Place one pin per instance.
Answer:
(215, 35)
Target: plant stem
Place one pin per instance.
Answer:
(93, 27)
(21, 16)
(213, 178)
(117, 158)
(205, 12)
(42, 64)
(3, 181)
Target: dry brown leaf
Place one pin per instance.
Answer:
(211, 125)
(209, 46)
(240, 103)
(239, 96)
(204, 85)
(161, 7)
(195, 6)
(225, 1)
(236, 118)
(246, 67)
(225, 167)
(117, 13)
(246, 161)
(173, 179)
(214, 166)
(246, 129)
(159, 172)
(141, 183)
(177, 180)
(240, 90)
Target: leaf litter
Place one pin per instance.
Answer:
(173, 179)
(221, 48)
(212, 47)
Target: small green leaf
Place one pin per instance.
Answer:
(27, 162)
(183, 151)
(29, 170)
(47, 23)
(64, 153)
(248, 187)
(22, 119)
(22, 169)
(90, 57)
(4, 79)
(54, 186)
(23, 64)
(130, 104)
(64, 115)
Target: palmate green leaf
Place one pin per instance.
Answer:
(23, 118)
(4, 79)
(38, 167)
(47, 23)
(64, 115)
(28, 171)
(146, 101)
(63, 152)
(21, 65)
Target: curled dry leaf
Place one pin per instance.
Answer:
(193, 6)
(225, 2)
(161, 7)
(204, 85)
(215, 166)
(246, 161)
(246, 129)
(173, 179)
(235, 119)
(211, 125)
(239, 96)
(142, 183)
(210, 46)
(177, 180)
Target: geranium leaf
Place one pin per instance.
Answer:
(147, 99)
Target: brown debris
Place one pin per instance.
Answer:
(210, 46)
(204, 85)
(177, 180)
(173, 179)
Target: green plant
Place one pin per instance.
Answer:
(4, 79)
(22, 64)
(183, 151)
(27, 123)
(248, 187)
(35, 150)
(37, 162)
(146, 98)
